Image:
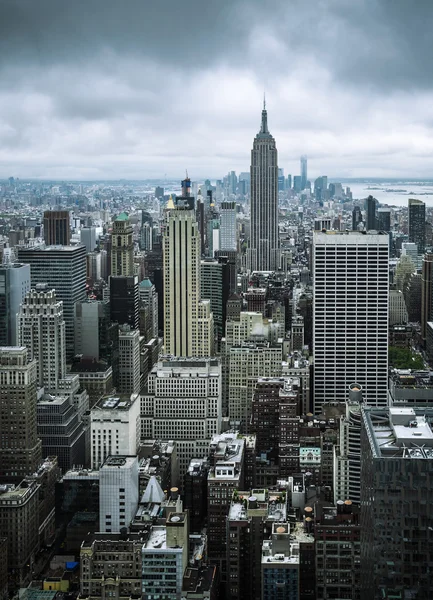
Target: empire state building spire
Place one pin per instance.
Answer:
(264, 126)
(264, 243)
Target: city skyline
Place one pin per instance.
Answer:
(55, 125)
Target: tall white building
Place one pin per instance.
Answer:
(114, 428)
(183, 403)
(264, 244)
(118, 492)
(188, 321)
(351, 289)
(41, 328)
(227, 231)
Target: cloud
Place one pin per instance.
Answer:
(101, 89)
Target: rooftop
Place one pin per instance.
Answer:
(400, 432)
(119, 461)
(117, 402)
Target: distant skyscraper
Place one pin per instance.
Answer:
(20, 447)
(228, 238)
(371, 210)
(264, 251)
(426, 293)
(14, 284)
(56, 228)
(303, 172)
(384, 219)
(356, 218)
(124, 300)
(62, 268)
(350, 315)
(188, 321)
(297, 183)
(88, 238)
(417, 223)
(122, 247)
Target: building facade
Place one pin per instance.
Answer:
(20, 447)
(56, 228)
(14, 285)
(62, 268)
(188, 321)
(351, 289)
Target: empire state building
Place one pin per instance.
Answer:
(264, 246)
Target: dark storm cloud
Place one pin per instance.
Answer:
(54, 31)
(139, 88)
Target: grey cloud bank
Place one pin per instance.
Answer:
(136, 89)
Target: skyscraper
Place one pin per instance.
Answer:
(426, 293)
(122, 246)
(356, 218)
(14, 284)
(228, 239)
(396, 508)
(303, 172)
(264, 253)
(188, 321)
(417, 223)
(41, 328)
(371, 213)
(56, 228)
(350, 315)
(20, 447)
(124, 300)
(62, 268)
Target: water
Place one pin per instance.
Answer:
(393, 193)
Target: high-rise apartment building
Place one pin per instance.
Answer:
(228, 233)
(41, 328)
(188, 321)
(20, 447)
(304, 176)
(122, 247)
(396, 509)
(264, 243)
(62, 268)
(351, 287)
(56, 228)
(417, 223)
(14, 285)
(183, 403)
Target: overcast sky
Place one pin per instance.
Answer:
(142, 88)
